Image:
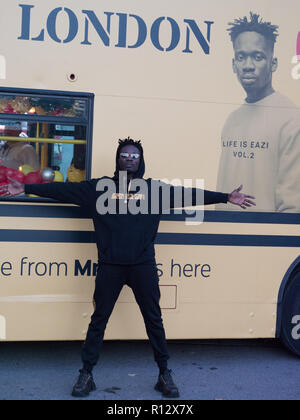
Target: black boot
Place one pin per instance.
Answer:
(84, 385)
(166, 385)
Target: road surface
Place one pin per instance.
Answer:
(203, 370)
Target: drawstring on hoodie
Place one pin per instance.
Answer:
(127, 189)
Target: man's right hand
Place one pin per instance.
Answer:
(10, 190)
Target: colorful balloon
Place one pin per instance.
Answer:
(58, 177)
(47, 175)
(33, 178)
(3, 176)
(26, 169)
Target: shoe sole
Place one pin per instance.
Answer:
(174, 394)
(79, 394)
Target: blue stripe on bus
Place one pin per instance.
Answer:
(215, 216)
(210, 216)
(63, 212)
(57, 236)
(228, 240)
(48, 236)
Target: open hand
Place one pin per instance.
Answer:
(242, 200)
(10, 190)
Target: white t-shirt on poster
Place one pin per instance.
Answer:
(261, 150)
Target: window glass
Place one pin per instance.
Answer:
(48, 106)
(37, 152)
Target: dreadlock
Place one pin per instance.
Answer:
(130, 142)
(256, 24)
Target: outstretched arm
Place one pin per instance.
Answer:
(204, 197)
(71, 192)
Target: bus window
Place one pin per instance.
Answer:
(40, 105)
(43, 139)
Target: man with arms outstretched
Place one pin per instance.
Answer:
(126, 251)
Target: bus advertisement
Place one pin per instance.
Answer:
(211, 89)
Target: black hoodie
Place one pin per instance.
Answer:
(124, 239)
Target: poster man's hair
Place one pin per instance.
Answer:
(255, 24)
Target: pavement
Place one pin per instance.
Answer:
(203, 370)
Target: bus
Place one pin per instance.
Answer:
(75, 77)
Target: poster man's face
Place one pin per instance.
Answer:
(254, 62)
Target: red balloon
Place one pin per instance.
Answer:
(9, 109)
(17, 175)
(1, 184)
(10, 173)
(33, 178)
(3, 177)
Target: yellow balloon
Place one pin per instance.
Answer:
(58, 177)
(26, 169)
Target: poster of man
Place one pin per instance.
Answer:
(261, 139)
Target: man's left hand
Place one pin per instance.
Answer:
(242, 200)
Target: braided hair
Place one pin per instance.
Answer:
(129, 142)
(255, 24)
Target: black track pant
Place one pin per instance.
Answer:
(143, 280)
